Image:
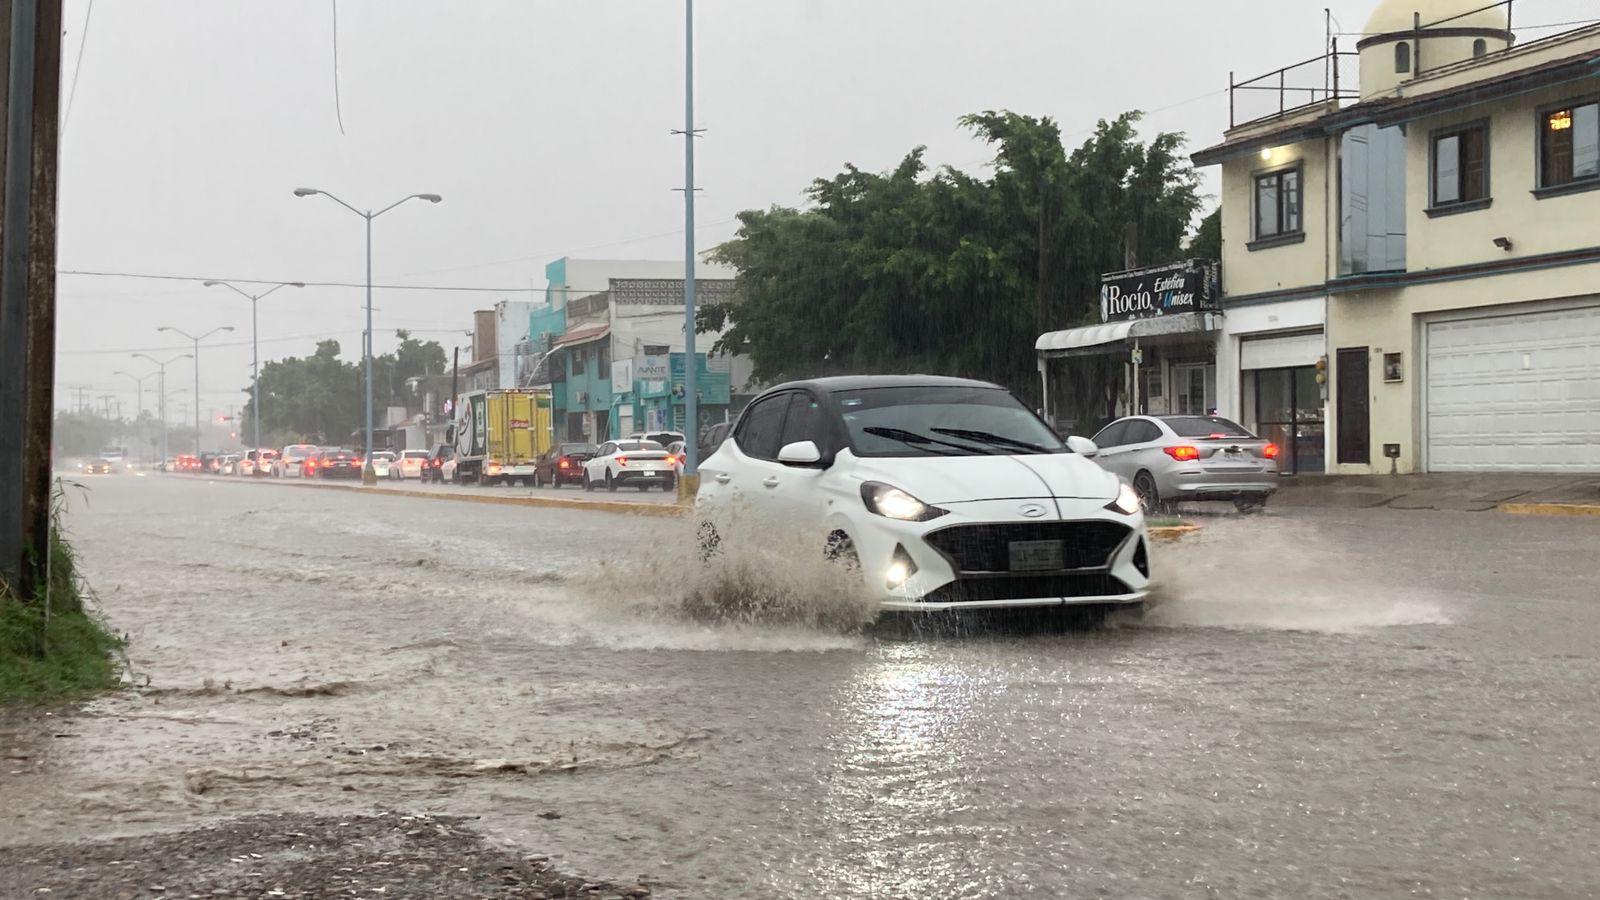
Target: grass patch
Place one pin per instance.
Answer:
(53, 648)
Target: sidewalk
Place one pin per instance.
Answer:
(1525, 493)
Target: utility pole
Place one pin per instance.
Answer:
(31, 94)
(691, 399)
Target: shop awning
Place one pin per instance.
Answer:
(581, 336)
(1087, 336)
(1091, 339)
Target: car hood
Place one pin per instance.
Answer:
(964, 479)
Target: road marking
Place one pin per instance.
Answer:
(1551, 509)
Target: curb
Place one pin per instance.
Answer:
(647, 510)
(1550, 509)
(1168, 534)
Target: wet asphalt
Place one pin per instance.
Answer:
(1321, 703)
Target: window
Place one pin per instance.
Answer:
(605, 358)
(577, 362)
(1205, 426)
(936, 420)
(762, 427)
(1461, 166)
(1402, 57)
(1278, 204)
(1569, 146)
(1141, 432)
(1111, 435)
(807, 421)
(1480, 47)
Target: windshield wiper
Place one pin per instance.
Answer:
(921, 440)
(993, 440)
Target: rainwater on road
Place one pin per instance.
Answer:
(1355, 703)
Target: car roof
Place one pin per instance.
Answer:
(838, 383)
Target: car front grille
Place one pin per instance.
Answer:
(987, 548)
(1028, 587)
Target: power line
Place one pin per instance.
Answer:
(77, 68)
(338, 109)
(244, 343)
(339, 284)
(556, 254)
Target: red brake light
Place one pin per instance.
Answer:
(671, 460)
(566, 463)
(1270, 451)
(1216, 437)
(1182, 454)
(622, 460)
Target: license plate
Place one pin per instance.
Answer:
(1037, 556)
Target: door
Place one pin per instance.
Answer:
(731, 482)
(1288, 405)
(1354, 415)
(1514, 392)
(1195, 387)
(797, 491)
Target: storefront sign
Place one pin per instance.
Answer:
(1181, 287)
(652, 368)
(622, 376)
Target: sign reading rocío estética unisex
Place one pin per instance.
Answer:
(1179, 287)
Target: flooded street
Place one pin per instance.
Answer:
(1409, 710)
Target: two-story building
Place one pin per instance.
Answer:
(1411, 266)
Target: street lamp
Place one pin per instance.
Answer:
(138, 381)
(181, 333)
(255, 347)
(161, 388)
(367, 474)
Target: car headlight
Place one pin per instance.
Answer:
(1127, 501)
(893, 503)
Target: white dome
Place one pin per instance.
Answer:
(1399, 15)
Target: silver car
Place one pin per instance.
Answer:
(1169, 459)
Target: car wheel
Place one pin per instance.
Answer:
(611, 483)
(842, 550)
(1144, 484)
(588, 483)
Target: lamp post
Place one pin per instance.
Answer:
(197, 339)
(691, 399)
(255, 349)
(138, 380)
(161, 394)
(367, 475)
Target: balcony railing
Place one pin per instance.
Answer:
(1290, 89)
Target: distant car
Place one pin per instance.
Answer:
(288, 463)
(441, 464)
(410, 464)
(229, 464)
(170, 464)
(563, 464)
(645, 464)
(189, 464)
(677, 452)
(712, 438)
(661, 437)
(334, 464)
(211, 462)
(99, 467)
(381, 461)
(1172, 458)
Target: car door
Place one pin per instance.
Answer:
(596, 468)
(1110, 441)
(798, 493)
(1142, 450)
(730, 483)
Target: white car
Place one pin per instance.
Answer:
(291, 462)
(946, 493)
(645, 464)
(409, 465)
(382, 460)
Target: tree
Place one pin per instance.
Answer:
(945, 272)
(323, 399)
(1207, 243)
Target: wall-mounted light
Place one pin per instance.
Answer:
(1266, 153)
(1561, 120)
(1504, 243)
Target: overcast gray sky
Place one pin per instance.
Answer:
(545, 126)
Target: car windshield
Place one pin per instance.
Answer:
(635, 446)
(1205, 426)
(940, 420)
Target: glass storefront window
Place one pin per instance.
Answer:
(1289, 413)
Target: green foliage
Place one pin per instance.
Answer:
(60, 655)
(945, 272)
(322, 398)
(1208, 238)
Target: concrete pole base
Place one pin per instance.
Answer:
(369, 476)
(688, 487)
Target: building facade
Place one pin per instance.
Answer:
(1411, 264)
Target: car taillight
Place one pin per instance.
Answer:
(1182, 454)
(436, 464)
(622, 460)
(1270, 451)
(566, 463)
(671, 460)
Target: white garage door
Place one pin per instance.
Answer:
(1517, 392)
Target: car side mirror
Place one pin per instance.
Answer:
(800, 453)
(1083, 447)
